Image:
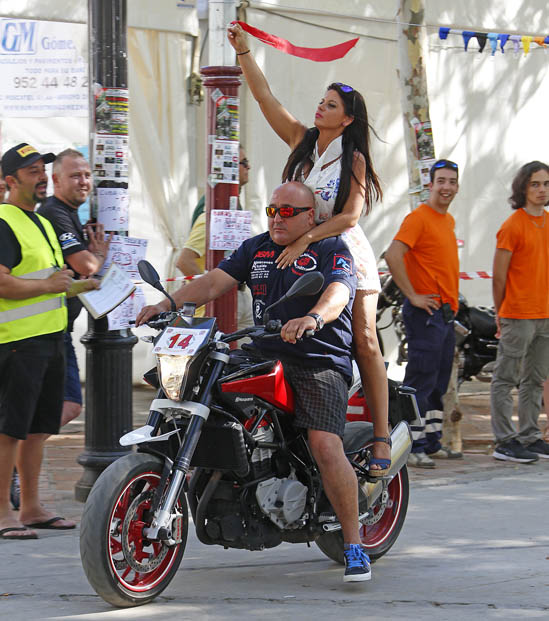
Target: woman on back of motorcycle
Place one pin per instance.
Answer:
(333, 159)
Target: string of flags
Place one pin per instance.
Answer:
(493, 38)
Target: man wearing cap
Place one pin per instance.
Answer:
(33, 317)
(423, 260)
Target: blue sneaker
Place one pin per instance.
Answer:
(357, 563)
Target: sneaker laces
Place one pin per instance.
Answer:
(355, 556)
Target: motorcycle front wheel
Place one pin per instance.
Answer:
(386, 522)
(123, 567)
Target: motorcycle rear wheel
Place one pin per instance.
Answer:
(379, 538)
(123, 567)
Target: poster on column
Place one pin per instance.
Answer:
(112, 208)
(121, 316)
(229, 228)
(126, 252)
(43, 68)
(225, 161)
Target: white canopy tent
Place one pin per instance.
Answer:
(487, 111)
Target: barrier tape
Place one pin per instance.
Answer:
(462, 275)
(176, 279)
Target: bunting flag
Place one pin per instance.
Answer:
(318, 54)
(493, 38)
(481, 38)
(524, 41)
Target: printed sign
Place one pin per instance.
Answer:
(112, 208)
(121, 316)
(229, 228)
(126, 252)
(180, 341)
(225, 161)
(43, 67)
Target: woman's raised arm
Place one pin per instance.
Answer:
(284, 124)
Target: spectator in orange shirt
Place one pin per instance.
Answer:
(423, 260)
(521, 297)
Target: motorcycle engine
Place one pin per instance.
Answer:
(261, 457)
(282, 500)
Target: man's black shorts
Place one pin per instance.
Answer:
(31, 386)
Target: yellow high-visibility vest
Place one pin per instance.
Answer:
(43, 314)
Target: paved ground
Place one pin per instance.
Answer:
(475, 545)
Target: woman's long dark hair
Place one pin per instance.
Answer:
(520, 183)
(356, 137)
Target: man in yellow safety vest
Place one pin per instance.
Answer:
(33, 317)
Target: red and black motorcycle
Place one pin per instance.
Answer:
(220, 441)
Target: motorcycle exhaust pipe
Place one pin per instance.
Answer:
(401, 437)
(370, 491)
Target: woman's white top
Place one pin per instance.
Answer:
(324, 182)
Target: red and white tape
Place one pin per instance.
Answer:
(473, 275)
(176, 279)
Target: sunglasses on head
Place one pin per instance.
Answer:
(445, 164)
(344, 87)
(286, 211)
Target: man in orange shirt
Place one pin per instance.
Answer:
(423, 260)
(521, 297)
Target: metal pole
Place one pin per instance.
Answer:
(221, 80)
(108, 353)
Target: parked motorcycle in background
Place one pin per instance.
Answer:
(220, 441)
(475, 330)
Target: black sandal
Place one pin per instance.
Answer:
(380, 461)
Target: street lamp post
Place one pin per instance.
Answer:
(108, 352)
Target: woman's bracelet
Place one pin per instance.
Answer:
(242, 53)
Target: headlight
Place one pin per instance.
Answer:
(173, 374)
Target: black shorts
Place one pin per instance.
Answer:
(320, 397)
(31, 386)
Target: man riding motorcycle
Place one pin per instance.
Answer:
(319, 368)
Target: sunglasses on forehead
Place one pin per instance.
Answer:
(344, 87)
(444, 164)
(286, 211)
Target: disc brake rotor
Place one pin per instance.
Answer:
(129, 548)
(375, 517)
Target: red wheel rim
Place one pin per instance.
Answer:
(374, 535)
(142, 550)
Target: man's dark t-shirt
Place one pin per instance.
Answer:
(254, 263)
(70, 235)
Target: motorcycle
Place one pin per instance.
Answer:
(219, 440)
(474, 326)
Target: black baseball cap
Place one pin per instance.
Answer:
(21, 156)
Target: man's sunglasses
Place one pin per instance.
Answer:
(444, 164)
(287, 211)
(245, 163)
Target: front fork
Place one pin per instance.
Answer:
(161, 527)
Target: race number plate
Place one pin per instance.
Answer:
(180, 341)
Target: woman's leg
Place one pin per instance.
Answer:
(372, 368)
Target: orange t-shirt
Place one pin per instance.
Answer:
(432, 263)
(527, 285)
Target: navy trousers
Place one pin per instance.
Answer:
(431, 345)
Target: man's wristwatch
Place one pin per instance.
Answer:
(318, 319)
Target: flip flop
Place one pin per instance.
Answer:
(12, 529)
(50, 524)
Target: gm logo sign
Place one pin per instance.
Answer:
(18, 36)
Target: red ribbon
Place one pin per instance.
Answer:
(318, 54)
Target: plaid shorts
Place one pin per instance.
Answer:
(320, 397)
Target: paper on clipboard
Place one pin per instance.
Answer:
(115, 287)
